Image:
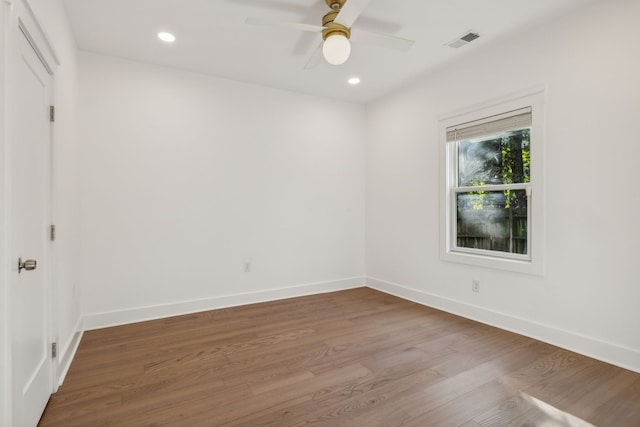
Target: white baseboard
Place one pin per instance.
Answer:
(67, 352)
(140, 314)
(624, 357)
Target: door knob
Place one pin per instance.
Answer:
(29, 264)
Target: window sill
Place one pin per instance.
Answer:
(493, 262)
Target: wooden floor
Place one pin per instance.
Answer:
(350, 358)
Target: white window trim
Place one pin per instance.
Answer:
(534, 262)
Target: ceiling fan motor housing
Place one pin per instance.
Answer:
(333, 28)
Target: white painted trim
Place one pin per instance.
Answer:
(495, 104)
(5, 342)
(615, 354)
(535, 98)
(139, 314)
(38, 36)
(68, 352)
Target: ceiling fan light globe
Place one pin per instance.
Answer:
(336, 49)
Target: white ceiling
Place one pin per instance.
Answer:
(213, 38)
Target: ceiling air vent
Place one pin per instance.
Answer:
(464, 39)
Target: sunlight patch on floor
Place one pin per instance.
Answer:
(557, 418)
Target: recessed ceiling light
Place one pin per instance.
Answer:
(167, 37)
(354, 80)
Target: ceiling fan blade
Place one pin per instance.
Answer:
(315, 58)
(350, 12)
(288, 25)
(382, 40)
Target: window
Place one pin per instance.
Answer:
(491, 165)
(492, 196)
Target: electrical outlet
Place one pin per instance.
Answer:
(475, 285)
(247, 266)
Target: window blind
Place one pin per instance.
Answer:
(493, 125)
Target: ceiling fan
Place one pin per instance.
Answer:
(336, 32)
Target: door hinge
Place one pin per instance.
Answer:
(52, 232)
(52, 113)
(54, 350)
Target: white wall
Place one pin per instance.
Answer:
(588, 299)
(185, 177)
(66, 179)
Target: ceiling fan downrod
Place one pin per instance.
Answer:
(335, 4)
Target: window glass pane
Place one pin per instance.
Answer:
(502, 159)
(492, 220)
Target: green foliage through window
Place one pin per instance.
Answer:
(489, 219)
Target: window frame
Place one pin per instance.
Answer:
(533, 261)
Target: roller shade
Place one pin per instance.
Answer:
(488, 126)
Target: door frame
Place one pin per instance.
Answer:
(19, 18)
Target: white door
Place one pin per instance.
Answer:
(32, 378)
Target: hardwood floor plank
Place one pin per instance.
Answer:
(554, 366)
(625, 403)
(465, 408)
(583, 401)
(265, 409)
(505, 412)
(351, 401)
(207, 406)
(461, 375)
(289, 380)
(381, 383)
(72, 413)
(350, 358)
(389, 416)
